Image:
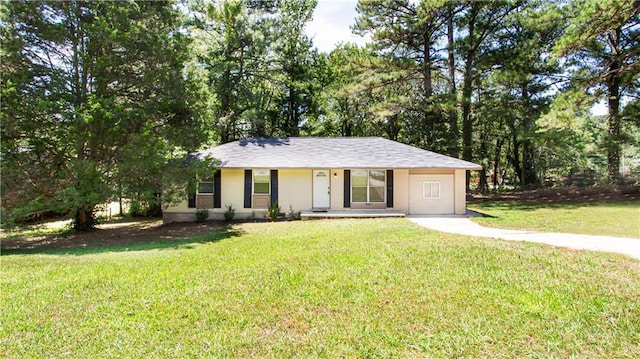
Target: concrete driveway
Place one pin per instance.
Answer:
(464, 225)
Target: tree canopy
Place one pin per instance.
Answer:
(95, 100)
(102, 100)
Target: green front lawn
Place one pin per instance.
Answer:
(339, 288)
(611, 218)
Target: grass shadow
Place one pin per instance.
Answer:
(123, 239)
(478, 206)
(481, 214)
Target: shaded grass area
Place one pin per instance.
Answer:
(611, 218)
(121, 235)
(354, 288)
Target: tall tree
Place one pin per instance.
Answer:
(91, 87)
(479, 21)
(405, 36)
(602, 40)
(454, 146)
(345, 106)
(521, 77)
(233, 46)
(297, 64)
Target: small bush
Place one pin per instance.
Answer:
(202, 215)
(292, 215)
(229, 213)
(136, 210)
(274, 211)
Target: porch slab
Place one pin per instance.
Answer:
(360, 213)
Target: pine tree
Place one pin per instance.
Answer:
(95, 87)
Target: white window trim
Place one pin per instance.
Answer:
(253, 183)
(384, 192)
(431, 183)
(206, 193)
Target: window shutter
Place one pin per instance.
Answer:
(274, 186)
(389, 188)
(217, 189)
(347, 188)
(247, 188)
(192, 200)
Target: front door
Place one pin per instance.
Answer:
(321, 189)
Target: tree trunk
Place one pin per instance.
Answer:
(613, 90)
(529, 173)
(496, 161)
(428, 92)
(84, 219)
(453, 114)
(224, 114)
(467, 89)
(515, 159)
(392, 127)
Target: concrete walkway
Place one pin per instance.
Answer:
(464, 225)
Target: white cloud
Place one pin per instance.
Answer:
(331, 24)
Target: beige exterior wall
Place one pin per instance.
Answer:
(448, 201)
(232, 188)
(295, 190)
(337, 189)
(181, 207)
(232, 193)
(430, 171)
(401, 190)
(460, 192)
(443, 203)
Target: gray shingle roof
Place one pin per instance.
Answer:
(332, 152)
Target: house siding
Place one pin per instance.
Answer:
(296, 192)
(459, 202)
(401, 190)
(460, 191)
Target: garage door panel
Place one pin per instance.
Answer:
(431, 194)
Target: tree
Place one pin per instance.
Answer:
(298, 66)
(602, 40)
(90, 90)
(233, 40)
(405, 37)
(345, 108)
(262, 70)
(480, 21)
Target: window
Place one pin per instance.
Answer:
(368, 185)
(204, 193)
(261, 182)
(205, 186)
(431, 190)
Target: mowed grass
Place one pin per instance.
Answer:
(338, 288)
(611, 218)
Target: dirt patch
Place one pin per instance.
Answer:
(118, 233)
(571, 194)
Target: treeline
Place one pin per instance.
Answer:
(101, 99)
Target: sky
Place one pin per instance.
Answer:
(331, 22)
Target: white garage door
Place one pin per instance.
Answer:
(431, 194)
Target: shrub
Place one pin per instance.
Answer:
(202, 215)
(274, 211)
(229, 213)
(292, 215)
(135, 210)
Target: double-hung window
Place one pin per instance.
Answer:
(204, 193)
(368, 186)
(261, 182)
